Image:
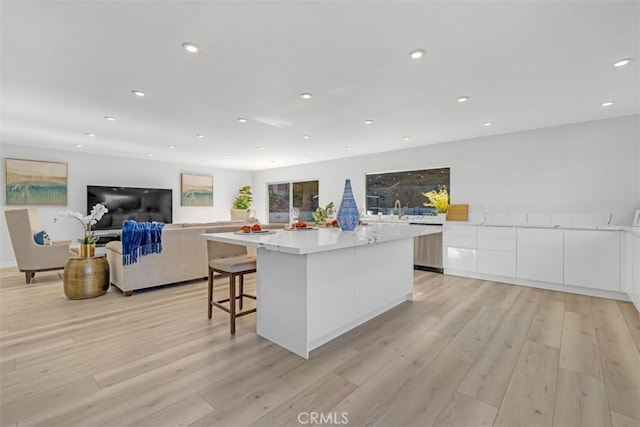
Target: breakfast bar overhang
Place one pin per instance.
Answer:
(316, 284)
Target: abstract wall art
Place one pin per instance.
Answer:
(197, 190)
(32, 182)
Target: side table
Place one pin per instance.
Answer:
(86, 277)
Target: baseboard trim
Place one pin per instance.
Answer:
(8, 264)
(542, 285)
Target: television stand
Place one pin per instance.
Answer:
(107, 236)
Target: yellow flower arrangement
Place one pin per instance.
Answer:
(438, 199)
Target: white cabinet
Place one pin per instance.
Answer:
(600, 261)
(459, 247)
(626, 263)
(634, 295)
(540, 254)
(592, 259)
(496, 251)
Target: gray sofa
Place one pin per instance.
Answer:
(183, 257)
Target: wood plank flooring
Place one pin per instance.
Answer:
(464, 353)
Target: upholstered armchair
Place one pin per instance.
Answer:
(32, 257)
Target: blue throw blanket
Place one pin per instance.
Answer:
(139, 239)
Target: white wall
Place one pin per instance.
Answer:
(638, 204)
(87, 169)
(590, 167)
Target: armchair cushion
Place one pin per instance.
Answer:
(42, 238)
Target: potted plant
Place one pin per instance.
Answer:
(89, 239)
(438, 200)
(241, 203)
(321, 215)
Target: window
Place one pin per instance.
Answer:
(302, 195)
(383, 189)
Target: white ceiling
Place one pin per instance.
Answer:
(524, 65)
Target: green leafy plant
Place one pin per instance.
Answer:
(321, 215)
(243, 200)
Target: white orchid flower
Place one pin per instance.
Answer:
(97, 212)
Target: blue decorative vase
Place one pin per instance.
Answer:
(348, 215)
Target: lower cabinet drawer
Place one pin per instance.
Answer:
(499, 263)
(463, 259)
(459, 241)
(497, 244)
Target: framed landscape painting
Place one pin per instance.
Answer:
(197, 190)
(32, 182)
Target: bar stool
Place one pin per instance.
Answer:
(234, 261)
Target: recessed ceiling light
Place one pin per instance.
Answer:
(199, 136)
(621, 62)
(138, 92)
(306, 156)
(109, 118)
(242, 120)
(272, 161)
(368, 122)
(191, 47)
(407, 138)
(487, 124)
(306, 136)
(90, 134)
(149, 154)
(228, 156)
(463, 99)
(305, 95)
(78, 145)
(608, 103)
(261, 148)
(171, 147)
(349, 148)
(417, 54)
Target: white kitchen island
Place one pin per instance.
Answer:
(314, 285)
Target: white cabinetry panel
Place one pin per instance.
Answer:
(459, 247)
(626, 263)
(497, 251)
(459, 241)
(635, 271)
(499, 263)
(372, 288)
(459, 230)
(497, 232)
(540, 254)
(497, 244)
(460, 259)
(592, 259)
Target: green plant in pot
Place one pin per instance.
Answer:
(243, 200)
(241, 203)
(321, 215)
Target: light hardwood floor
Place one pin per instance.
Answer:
(464, 353)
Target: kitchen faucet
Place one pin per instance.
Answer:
(398, 206)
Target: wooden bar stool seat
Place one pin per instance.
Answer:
(236, 266)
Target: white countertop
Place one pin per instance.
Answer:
(301, 242)
(561, 227)
(515, 220)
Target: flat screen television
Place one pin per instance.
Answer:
(139, 204)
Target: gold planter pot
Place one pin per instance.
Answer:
(87, 250)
